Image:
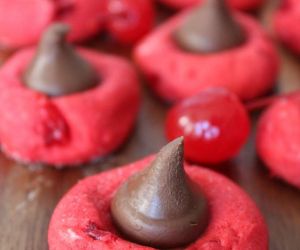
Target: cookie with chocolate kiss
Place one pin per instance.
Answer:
(208, 46)
(156, 203)
(69, 102)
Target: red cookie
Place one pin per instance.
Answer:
(175, 74)
(82, 219)
(17, 25)
(71, 129)
(286, 21)
(85, 17)
(237, 4)
(126, 20)
(278, 141)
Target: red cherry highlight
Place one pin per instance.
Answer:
(215, 125)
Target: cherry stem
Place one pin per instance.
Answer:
(266, 101)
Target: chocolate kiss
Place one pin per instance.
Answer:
(209, 28)
(56, 68)
(160, 206)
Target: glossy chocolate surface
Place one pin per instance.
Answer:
(57, 69)
(160, 206)
(209, 28)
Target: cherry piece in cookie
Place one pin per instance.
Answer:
(286, 18)
(75, 110)
(214, 123)
(278, 141)
(158, 202)
(205, 55)
(245, 5)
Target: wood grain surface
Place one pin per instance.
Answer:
(28, 194)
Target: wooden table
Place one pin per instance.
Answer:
(28, 194)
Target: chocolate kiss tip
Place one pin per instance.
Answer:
(57, 69)
(61, 28)
(56, 30)
(160, 206)
(209, 28)
(176, 142)
(175, 146)
(169, 157)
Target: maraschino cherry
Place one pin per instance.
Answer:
(215, 125)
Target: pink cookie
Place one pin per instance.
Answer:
(278, 141)
(237, 4)
(71, 129)
(17, 26)
(175, 74)
(82, 219)
(286, 21)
